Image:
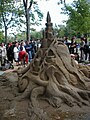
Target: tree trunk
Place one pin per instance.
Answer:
(27, 26)
(27, 10)
(5, 26)
(5, 34)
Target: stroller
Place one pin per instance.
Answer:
(6, 65)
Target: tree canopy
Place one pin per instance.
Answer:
(30, 8)
(79, 16)
(13, 14)
(9, 16)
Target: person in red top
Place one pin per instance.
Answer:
(23, 56)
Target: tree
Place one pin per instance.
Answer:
(79, 15)
(8, 15)
(29, 13)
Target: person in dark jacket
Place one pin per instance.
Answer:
(10, 54)
(86, 48)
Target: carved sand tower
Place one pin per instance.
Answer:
(47, 33)
(54, 76)
(49, 29)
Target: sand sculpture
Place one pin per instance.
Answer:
(54, 76)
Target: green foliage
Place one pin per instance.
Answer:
(33, 10)
(13, 15)
(36, 35)
(59, 30)
(79, 16)
(22, 36)
(7, 12)
(9, 15)
(1, 37)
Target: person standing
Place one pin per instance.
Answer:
(28, 48)
(82, 43)
(22, 44)
(3, 54)
(89, 52)
(16, 53)
(67, 42)
(73, 46)
(86, 48)
(10, 55)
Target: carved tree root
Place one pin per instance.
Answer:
(35, 93)
(57, 74)
(67, 96)
(67, 67)
(29, 85)
(52, 90)
(23, 83)
(26, 93)
(80, 96)
(25, 79)
(72, 94)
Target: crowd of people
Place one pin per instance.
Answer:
(19, 52)
(23, 52)
(81, 50)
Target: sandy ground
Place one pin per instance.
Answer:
(11, 109)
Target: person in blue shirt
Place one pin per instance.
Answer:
(28, 48)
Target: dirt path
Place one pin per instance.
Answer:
(10, 109)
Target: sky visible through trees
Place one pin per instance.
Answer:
(54, 10)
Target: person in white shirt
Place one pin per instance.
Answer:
(16, 53)
(3, 54)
